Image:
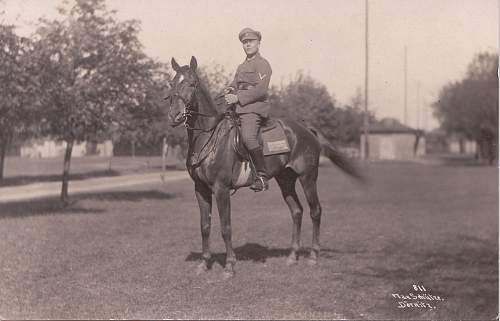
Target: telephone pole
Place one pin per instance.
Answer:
(406, 87)
(425, 113)
(418, 104)
(365, 118)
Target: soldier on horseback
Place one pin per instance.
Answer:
(248, 92)
(216, 167)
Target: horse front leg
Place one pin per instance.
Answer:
(222, 197)
(204, 197)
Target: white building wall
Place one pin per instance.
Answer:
(51, 148)
(79, 149)
(393, 146)
(105, 149)
(470, 146)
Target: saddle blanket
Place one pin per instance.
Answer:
(274, 140)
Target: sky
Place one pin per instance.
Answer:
(322, 38)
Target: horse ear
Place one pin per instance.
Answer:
(193, 64)
(175, 65)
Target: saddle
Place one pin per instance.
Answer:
(271, 135)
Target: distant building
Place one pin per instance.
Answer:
(46, 148)
(439, 141)
(389, 139)
(461, 145)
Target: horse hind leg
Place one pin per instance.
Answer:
(286, 181)
(309, 184)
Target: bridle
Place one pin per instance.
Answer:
(188, 111)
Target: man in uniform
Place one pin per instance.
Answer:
(249, 92)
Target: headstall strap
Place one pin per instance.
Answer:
(186, 115)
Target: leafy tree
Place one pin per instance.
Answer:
(19, 85)
(349, 120)
(305, 100)
(94, 74)
(470, 107)
(146, 125)
(215, 77)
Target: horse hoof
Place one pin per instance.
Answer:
(312, 262)
(201, 269)
(291, 261)
(226, 275)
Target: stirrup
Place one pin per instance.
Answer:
(264, 186)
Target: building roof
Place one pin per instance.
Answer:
(390, 126)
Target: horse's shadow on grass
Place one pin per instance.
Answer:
(253, 252)
(76, 205)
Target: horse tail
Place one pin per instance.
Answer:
(344, 163)
(338, 158)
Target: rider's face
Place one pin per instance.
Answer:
(251, 46)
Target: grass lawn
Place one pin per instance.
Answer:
(132, 253)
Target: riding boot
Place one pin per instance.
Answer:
(261, 180)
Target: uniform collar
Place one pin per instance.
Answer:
(255, 56)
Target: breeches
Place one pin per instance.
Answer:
(250, 125)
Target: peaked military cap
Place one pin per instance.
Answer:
(248, 33)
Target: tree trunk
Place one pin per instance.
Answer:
(5, 141)
(133, 147)
(415, 146)
(164, 154)
(492, 150)
(67, 163)
(3, 151)
(461, 145)
(477, 153)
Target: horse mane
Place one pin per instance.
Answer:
(205, 94)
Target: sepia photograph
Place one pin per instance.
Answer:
(249, 160)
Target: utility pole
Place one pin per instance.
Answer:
(418, 104)
(425, 113)
(365, 118)
(406, 88)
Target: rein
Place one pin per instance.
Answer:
(201, 156)
(187, 114)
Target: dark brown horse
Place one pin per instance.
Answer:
(216, 168)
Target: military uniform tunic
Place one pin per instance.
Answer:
(251, 83)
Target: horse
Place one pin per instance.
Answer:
(215, 166)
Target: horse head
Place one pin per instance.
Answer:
(182, 92)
